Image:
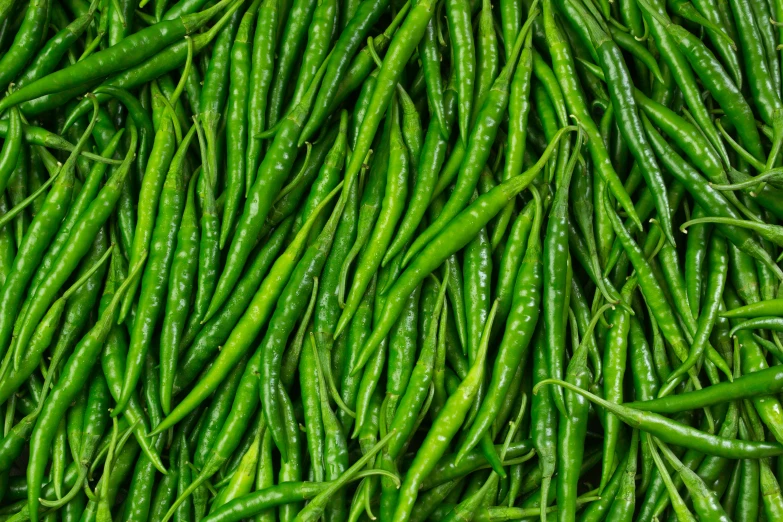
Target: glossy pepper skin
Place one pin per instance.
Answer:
(154, 282)
(129, 52)
(490, 294)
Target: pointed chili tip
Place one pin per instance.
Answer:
(210, 312)
(341, 323)
(306, 132)
(460, 454)
(121, 404)
(407, 258)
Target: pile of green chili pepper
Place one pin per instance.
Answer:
(429, 260)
